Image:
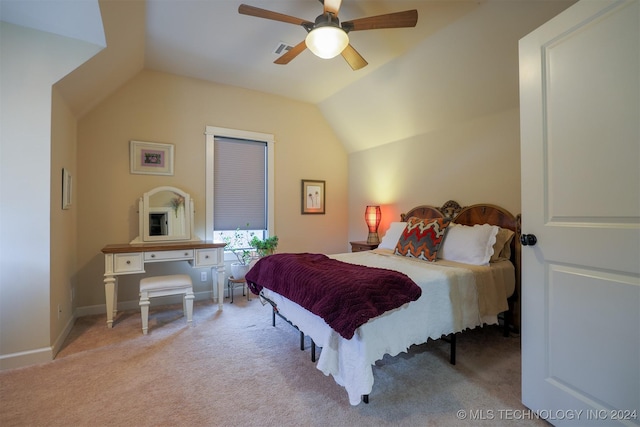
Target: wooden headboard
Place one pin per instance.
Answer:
(478, 214)
(448, 210)
(471, 215)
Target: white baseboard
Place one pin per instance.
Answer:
(57, 344)
(40, 355)
(134, 305)
(26, 358)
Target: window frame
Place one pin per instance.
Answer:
(211, 132)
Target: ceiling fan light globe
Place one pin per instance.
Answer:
(327, 42)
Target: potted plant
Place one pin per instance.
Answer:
(237, 244)
(264, 247)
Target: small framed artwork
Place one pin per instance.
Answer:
(66, 188)
(151, 158)
(313, 196)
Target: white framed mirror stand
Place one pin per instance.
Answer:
(165, 215)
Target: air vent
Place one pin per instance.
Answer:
(282, 48)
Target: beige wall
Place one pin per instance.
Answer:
(160, 107)
(473, 162)
(63, 222)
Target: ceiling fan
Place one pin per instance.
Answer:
(326, 37)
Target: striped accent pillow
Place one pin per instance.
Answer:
(422, 238)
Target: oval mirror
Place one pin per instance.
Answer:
(166, 215)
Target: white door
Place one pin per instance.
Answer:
(580, 149)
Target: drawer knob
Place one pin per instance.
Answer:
(128, 262)
(206, 257)
(186, 254)
(153, 255)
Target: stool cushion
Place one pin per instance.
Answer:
(165, 282)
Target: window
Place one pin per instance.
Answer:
(239, 182)
(239, 187)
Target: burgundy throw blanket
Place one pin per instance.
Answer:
(345, 295)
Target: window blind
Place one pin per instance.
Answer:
(240, 184)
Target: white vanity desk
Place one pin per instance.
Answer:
(166, 234)
(120, 259)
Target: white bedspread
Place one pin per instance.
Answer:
(451, 301)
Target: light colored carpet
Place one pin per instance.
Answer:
(232, 368)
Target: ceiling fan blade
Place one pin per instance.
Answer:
(332, 6)
(408, 18)
(245, 9)
(291, 53)
(353, 58)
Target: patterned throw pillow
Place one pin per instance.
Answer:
(422, 238)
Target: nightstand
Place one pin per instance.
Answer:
(362, 246)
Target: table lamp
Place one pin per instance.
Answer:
(372, 216)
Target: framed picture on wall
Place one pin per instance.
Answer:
(313, 196)
(151, 158)
(66, 188)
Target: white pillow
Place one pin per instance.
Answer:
(391, 237)
(469, 245)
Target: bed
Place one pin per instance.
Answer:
(454, 296)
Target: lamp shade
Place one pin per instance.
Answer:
(327, 41)
(372, 216)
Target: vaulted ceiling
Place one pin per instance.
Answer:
(459, 62)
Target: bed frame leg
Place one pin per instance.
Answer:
(451, 339)
(508, 317)
(452, 357)
(365, 398)
(505, 323)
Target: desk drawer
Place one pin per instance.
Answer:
(207, 257)
(128, 263)
(178, 255)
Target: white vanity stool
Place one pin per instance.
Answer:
(160, 286)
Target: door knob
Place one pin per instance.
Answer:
(528, 239)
